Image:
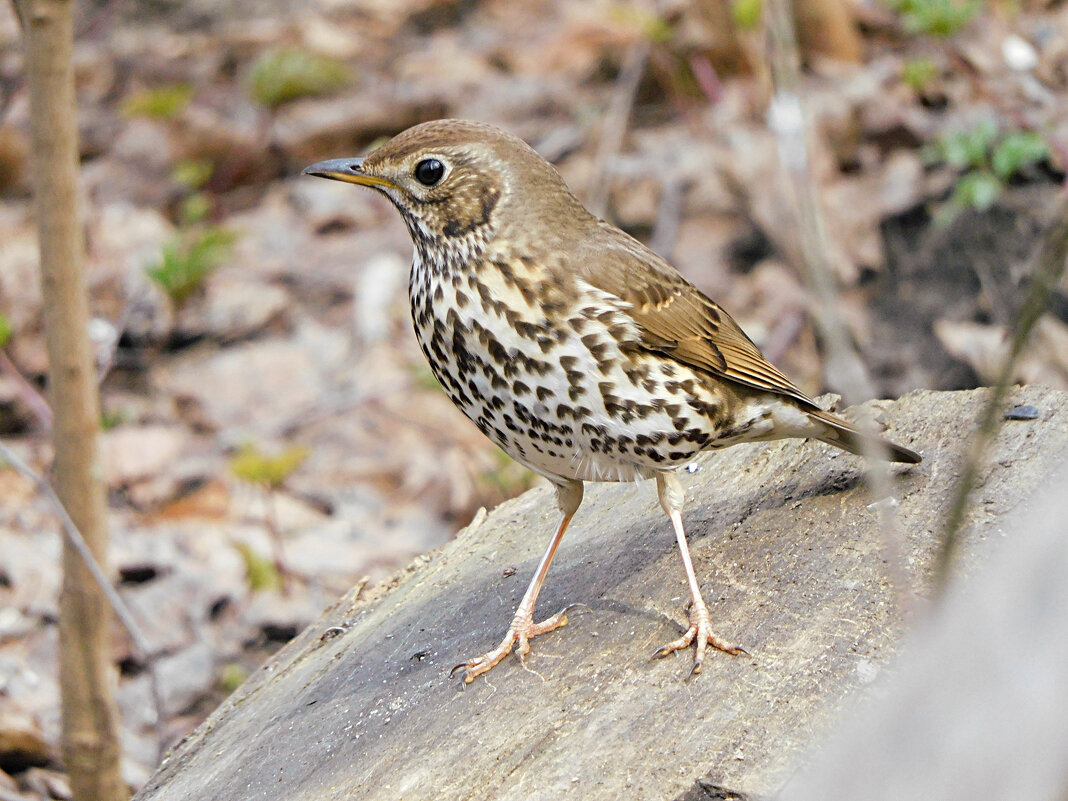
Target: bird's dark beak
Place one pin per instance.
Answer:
(347, 170)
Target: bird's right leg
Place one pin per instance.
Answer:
(700, 631)
(523, 627)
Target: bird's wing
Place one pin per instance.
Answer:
(677, 320)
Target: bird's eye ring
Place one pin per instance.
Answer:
(429, 171)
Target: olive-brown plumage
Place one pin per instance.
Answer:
(579, 351)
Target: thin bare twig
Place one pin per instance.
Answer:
(707, 78)
(844, 366)
(614, 127)
(274, 533)
(28, 392)
(1052, 260)
(122, 612)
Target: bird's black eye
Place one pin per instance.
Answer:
(429, 171)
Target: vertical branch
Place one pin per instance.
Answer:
(90, 719)
(1052, 260)
(786, 117)
(844, 367)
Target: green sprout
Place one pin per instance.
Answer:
(256, 467)
(192, 173)
(941, 18)
(232, 676)
(161, 103)
(270, 472)
(282, 74)
(747, 14)
(110, 419)
(988, 162)
(919, 73)
(260, 573)
(187, 262)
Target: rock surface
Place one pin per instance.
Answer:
(791, 560)
(975, 705)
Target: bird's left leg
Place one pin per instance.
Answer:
(700, 632)
(523, 627)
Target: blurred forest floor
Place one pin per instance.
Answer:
(261, 383)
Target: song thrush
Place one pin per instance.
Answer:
(575, 348)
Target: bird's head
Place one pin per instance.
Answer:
(453, 180)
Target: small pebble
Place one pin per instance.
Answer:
(1022, 413)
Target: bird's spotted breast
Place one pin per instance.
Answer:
(569, 395)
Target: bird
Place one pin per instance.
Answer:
(575, 348)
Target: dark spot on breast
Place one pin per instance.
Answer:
(526, 292)
(453, 321)
(709, 410)
(497, 351)
(605, 367)
(505, 269)
(525, 329)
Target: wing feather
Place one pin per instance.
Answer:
(677, 320)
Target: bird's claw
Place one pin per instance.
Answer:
(699, 634)
(523, 628)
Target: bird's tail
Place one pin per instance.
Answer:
(846, 436)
